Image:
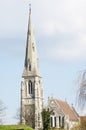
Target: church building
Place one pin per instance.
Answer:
(31, 84)
(32, 100)
(63, 115)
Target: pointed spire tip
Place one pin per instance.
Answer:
(30, 8)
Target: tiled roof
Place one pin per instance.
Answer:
(67, 110)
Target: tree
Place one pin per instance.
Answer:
(18, 115)
(2, 114)
(26, 115)
(46, 119)
(82, 89)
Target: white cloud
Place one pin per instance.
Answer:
(49, 16)
(11, 18)
(72, 50)
(68, 54)
(51, 19)
(64, 54)
(65, 17)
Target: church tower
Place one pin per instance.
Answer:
(31, 84)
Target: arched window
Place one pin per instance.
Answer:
(30, 87)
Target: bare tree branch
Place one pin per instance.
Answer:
(82, 89)
(2, 114)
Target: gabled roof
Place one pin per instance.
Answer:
(67, 110)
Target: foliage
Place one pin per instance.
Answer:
(46, 119)
(14, 127)
(28, 115)
(76, 127)
(81, 126)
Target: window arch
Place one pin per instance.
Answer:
(30, 87)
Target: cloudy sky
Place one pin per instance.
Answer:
(60, 32)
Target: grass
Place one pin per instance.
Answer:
(18, 127)
(14, 127)
(56, 129)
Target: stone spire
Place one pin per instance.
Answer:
(31, 59)
(32, 101)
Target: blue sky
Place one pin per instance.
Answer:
(60, 32)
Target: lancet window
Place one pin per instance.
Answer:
(30, 87)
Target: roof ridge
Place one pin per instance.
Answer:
(75, 113)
